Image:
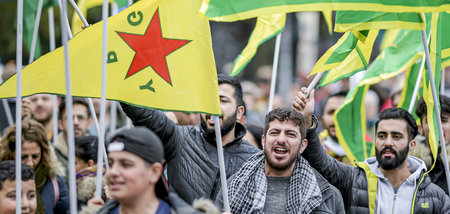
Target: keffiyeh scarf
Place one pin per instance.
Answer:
(247, 190)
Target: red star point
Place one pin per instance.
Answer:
(151, 49)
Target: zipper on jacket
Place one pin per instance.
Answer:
(393, 203)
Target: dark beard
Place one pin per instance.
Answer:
(227, 126)
(389, 164)
(280, 167)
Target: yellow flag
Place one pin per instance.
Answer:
(159, 56)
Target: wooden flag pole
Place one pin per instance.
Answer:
(101, 134)
(223, 175)
(273, 80)
(436, 108)
(18, 158)
(35, 31)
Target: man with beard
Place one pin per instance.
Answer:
(81, 123)
(190, 153)
(391, 182)
(328, 137)
(423, 151)
(40, 108)
(279, 180)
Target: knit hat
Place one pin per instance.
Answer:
(144, 143)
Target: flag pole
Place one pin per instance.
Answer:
(113, 117)
(101, 134)
(314, 83)
(273, 80)
(51, 35)
(69, 113)
(91, 105)
(436, 108)
(35, 31)
(419, 79)
(18, 157)
(223, 177)
(83, 19)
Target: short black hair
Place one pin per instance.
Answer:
(238, 95)
(81, 101)
(400, 114)
(421, 108)
(257, 132)
(8, 172)
(324, 102)
(286, 114)
(86, 148)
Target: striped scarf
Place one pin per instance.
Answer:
(247, 190)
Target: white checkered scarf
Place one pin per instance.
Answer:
(247, 190)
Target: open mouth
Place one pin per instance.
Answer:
(280, 151)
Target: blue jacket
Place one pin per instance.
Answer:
(48, 197)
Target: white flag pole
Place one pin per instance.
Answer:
(419, 79)
(51, 35)
(35, 31)
(273, 80)
(101, 134)
(83, 19)
(223, 175)
(443, 81)
(69, 114)
(436, 107)
(18, 158)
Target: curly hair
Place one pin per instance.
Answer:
(8, 172)
(286, 114)
(32, 131)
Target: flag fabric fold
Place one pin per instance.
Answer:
(368, 20)
(266, 27)
(159, 56)
(348, 56)
(233, 10)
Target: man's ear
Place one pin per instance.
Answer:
(420, 129)
(412, 145)
(60, 125)
(90, 162)
(303, 145)
(263, 140)
(240, 112)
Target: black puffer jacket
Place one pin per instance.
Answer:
(352, 182)
(192, 162)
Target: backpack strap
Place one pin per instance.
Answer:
(56, 190)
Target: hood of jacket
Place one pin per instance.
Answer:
(389, 200)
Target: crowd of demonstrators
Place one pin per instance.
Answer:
(278, 179)
(423, 151)
(391, 182)
(191, 154)
(81, 123)
(38, 154)
(8, 189)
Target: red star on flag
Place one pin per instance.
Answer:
(151, 49)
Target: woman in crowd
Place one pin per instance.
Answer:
(39, 156)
